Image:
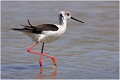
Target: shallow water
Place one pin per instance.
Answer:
(85, 51)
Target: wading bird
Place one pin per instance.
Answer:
(46, 33)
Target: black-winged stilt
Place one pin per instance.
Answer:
(46, 33)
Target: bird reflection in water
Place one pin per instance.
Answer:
(52, 74)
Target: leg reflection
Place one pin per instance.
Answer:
(41, 75)
(51, 75)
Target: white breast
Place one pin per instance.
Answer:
(49, 36)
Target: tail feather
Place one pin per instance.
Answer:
(27, 27)
(18, 29)
(30, 23)
(30, 27)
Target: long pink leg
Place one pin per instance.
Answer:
(29, 48)
(30, 51)
(53, 59)
(40, 60)
(41, 54)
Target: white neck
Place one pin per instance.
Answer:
(63, 22)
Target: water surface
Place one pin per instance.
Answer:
(85, 51)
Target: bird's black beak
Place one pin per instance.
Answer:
(76, 19)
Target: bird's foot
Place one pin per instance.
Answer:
(55, 67)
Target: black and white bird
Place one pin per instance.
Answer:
(46, 33)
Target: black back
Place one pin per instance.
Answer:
(38, 29)
(44, 27)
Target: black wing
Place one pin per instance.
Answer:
(45, 27)
(37, 29)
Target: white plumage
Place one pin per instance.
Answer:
(46, 33)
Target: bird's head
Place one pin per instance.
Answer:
(66, 15)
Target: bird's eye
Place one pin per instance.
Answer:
(67, 14)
